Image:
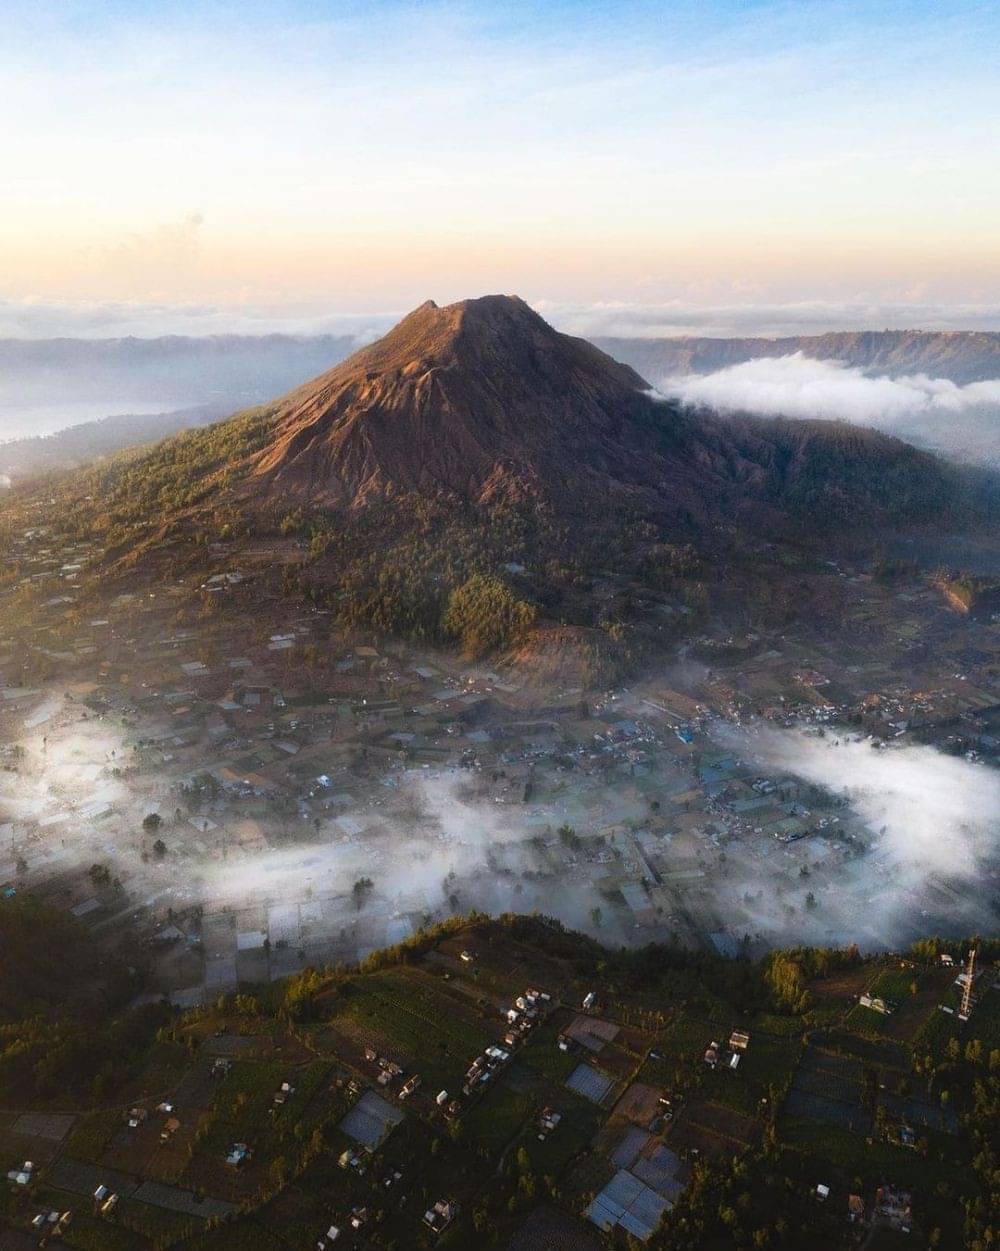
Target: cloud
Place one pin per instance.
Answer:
(38, 318)
(960, 421)
(799, 386)
(108, 319)
(736, 317)
(171, 246)
(931, 821)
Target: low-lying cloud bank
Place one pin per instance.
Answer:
(963, 421)
(932, 823)
(679, 317)
(28, 318)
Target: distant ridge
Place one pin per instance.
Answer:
(961, 355)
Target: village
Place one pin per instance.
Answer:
(256, 792)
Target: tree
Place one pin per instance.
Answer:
(361, 890)
(485, 615)
(99, 874)
(151, 822)
(159, 849)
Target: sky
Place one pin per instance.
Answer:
(714, 166)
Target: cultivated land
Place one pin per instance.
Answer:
(312, 1078)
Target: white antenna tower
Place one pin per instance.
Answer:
(965, 1011)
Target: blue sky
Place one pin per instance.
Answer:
(283, 161)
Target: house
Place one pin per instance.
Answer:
(876, 1003)
(712, 1055)
(547, 1122)
(589, 1000)
(739, 1040)
(410, 1086)
(894, 1206)
(238, 1155)
(282, 1094)
(822, 1192)
(441, 1215)
(170, 1127)
(855, 1209)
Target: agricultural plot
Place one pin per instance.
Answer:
(589, 1082)
(571, 1138)
(542, 1053)
(404, 1018)
(846, 1155)
(91, 1233)
(548, 1229)
(247, 1234)
(370, 1121)
(244, 1111)
(710, 1129)
(767, 1065)
(507, 967)
(52, 1126)
(498, 1117)
(91, 1135)
(827, 1090)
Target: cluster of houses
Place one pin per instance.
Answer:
(728, 1057)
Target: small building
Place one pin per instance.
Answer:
(894, 1206)
(238, 1155)
(441, 1215)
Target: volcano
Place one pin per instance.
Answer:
(482, 401)
(477, 400)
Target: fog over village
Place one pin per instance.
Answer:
(240, 812)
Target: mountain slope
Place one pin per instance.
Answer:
(477, 399)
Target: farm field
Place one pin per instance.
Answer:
(322, 1141)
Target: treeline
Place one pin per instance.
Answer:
(45, 957)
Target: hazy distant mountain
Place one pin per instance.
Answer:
(46, 384)
(962, 356)
(51, 385)
(79, 444)
(940, 390)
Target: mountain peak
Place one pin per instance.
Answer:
(470, 398)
